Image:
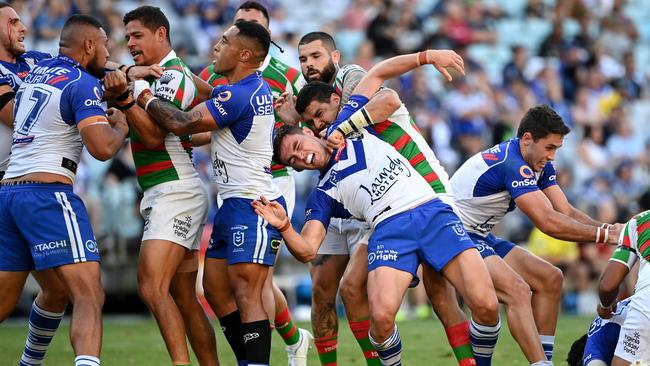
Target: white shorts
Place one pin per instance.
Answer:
(634, 338)
(287, 186)
(343, 236)
(175, 211)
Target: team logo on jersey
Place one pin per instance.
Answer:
(238, 238)
(91, 245)
(275, 246)
(166, 78)
(526, 172)
(224, 96)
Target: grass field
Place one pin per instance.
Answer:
(136, 341)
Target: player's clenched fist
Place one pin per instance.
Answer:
(115, 82)
(335, 140)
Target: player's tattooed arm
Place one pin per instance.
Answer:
(173, 119)
(350, 82)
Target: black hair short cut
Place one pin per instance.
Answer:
(4, 4)
(542, 121)
(254, 5)
(280, 134)
(256, 33)
(70, 35)
(151, 18)
(574, 358)
(314, 91)
(325, 38)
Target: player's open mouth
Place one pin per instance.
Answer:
(310, 158)
(135, 54)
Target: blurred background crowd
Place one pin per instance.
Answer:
(588, 59)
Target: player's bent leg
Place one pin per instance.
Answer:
(354, 293)
(11, 286)
(445, 304)
(386, 289)
(87, 297)
(197, 326)
(45, 316)
(545, 280)
(326, 271)
(157, 265)
(468, 274)
(515, 294)
(217, 291)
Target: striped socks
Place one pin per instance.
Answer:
(458, 337)
(548, 344)
(284, 325)
(326, 347)
(360, 330)
(42, 327)
(83, 360)
(390, 350)
(484, 339)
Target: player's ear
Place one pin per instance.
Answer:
(161, 34)
(307, 131)
(336, 56)
(89, 46)
(335, 99)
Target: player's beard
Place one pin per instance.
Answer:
(327, 74)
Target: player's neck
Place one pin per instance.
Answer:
(7, 56)
(239, 73)
(161, 55)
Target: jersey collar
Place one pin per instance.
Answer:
(171, 55)
(69, 60)
(265, 63)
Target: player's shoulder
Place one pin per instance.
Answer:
(498, 154)
(36, 56)
(642, 216)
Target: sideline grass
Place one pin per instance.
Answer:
(136, 341)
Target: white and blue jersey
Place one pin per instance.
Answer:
(46, 225)
(487, 184)
(373, 182)
(12, 74)
(602, 336)
(53, 98)
(242, 148)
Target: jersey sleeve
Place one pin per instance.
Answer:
(82, 99)
(347, 80)
(5, 80)
(228, 104)
(625, 252)
(518, 177)
(547, 178)
(320, 206)
(167, 86)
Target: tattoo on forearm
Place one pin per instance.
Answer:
(320, 259)
(324, 321)
(172, 118)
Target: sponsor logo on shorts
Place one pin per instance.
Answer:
(239, 227)
(238, 238)
(250, 336)
(275, 246)
(631, 343)
(182, 225)
(382, 255)
(91, 246)
(51, 245)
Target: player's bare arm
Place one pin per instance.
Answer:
(7, 105)
(558, 225)
(203, 89)
(201, 139)
(149, 132)
(611, 279)
(561, 204)
(304, 245)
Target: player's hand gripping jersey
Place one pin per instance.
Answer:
(53, 98)
(242, 146)
(487, 184)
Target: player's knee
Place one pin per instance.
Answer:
(323, 291)
(55, 301)
(150, 292)
(383, 322)
(553, 282)
(486, 309)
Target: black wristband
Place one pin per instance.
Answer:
(126, 106)
(124, 96)
(127, 72)
(121, 66)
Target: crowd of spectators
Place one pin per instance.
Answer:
(585, 58)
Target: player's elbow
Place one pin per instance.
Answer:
(306, 257)
(390, 100)
(101, 152)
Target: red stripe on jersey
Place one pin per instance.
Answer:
(382, 126)
(58, 79)
(138, 146)
(644, 246)
(402, 141)
(417, 159)
(186, 144)
(146, 169)
(180, 93)
(291, 74)
(277, 166)
(643, 227)
(205, 74)
(431, 177)
(219, 81)
(626, 241)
